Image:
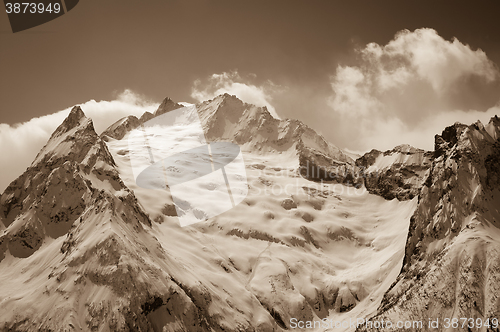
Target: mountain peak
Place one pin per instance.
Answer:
(404, 149)
(225, 95)
(223, 98)
(119, 129)
(452, 231)
(223, 106)
(76, 112)
(493, 127)
(74, 118)
(166, 106)
(228, 96)
(73, 137)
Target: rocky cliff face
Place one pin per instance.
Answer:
(397, 173)
(451, 267)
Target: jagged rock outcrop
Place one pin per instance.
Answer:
(146, 117)
(451, 267)
(397, 173)
(369, 158)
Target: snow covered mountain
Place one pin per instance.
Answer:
(84, 248)
(226, 118)
(451, 267)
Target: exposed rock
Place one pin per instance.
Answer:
(368, 158)
(397, 173)
(62, 182)
(169, 210)
(289, 204)
(120, 128)
(90, 258)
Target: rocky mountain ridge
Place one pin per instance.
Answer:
(120, 128)
(451, 267)
(72, 158)
(227, 118)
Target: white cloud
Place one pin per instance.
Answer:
(384, 133)
(233, 84)
(352, 92)
(410, 89)
(434, 59)
(20, 143)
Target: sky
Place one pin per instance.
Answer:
(364, 74)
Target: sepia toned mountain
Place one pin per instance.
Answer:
(398, 235)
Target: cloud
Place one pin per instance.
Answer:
(20, 143)
(410, 89)
(388, 133)
(233, 84)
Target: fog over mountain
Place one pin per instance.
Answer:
(322, 236)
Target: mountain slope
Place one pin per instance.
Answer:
(121, 127)
(452, 264)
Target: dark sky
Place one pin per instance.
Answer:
(159, 47)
